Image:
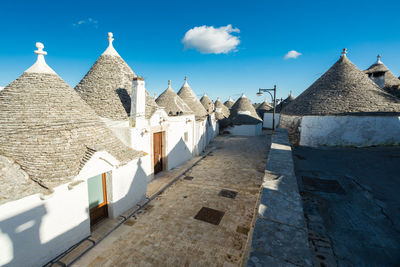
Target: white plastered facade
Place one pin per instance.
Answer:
(37, 228)
(246, 130)
(356, 131)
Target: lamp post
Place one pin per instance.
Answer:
(260, 93)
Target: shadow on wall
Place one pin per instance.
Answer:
(21, 236)
(125, 99)
(136, 181)
(179, 154)
(23, 232)
(201, 144)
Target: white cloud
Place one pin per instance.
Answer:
(210, 40)
(292, 54)
(89, 22)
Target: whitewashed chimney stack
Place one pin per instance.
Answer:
(138, 105)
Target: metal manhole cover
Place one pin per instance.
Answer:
(322, 185)
(227, 193)
(209, 215)
(188, 177)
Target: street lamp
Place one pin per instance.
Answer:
(260, 93)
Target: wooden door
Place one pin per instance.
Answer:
(157, 147)
(97, 198)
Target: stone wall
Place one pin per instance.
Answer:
(354, 131)
(292, 124)
(267, 118)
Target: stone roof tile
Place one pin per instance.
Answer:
(342, 90)
(243, 112)
(207, 104)
(172, 103)
(190, 98)
(47, 129)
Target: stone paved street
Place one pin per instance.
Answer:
(165, 233)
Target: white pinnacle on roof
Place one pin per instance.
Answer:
(344, 52)
(243, 95)
(110, 49)
(186, 83)
(378, 60)
(40, 65)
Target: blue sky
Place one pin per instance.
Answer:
(148, 35)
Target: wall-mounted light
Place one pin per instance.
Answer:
(188, 120)
(144, 131)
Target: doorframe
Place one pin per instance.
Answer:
(164, 155)
(105, 197)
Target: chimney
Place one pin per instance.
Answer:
(138, 103)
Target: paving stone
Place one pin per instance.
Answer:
(76, 252)
(168, 235)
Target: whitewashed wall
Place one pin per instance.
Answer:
(128, 187)
(246, 130)
(356, 131)
(142, 141)
(33, 231)
(212, 128)
(179, 150)
(200, 136)
(140, 138)
(267, 120)
(126, 184)
(37, 228)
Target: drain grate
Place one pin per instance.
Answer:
(322, 185)
(227, 193)
(209, 215)
(188, 177)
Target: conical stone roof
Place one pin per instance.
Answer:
(284, 103)
(207, 104)
(107, 87)
(172, 103)
(221, 111)
(229, 103)
(263, 107)
(48, 130)
(392, 83)
(243, 112)
(190, 98)
(343, 89)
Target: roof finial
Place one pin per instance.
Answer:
(186, 83)
(40, 65)
(40, 47)
(110, 49)
(110, 38)
(344, 52)
(243, 95)
(169, 83)
(290, 93)
(378, 59)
